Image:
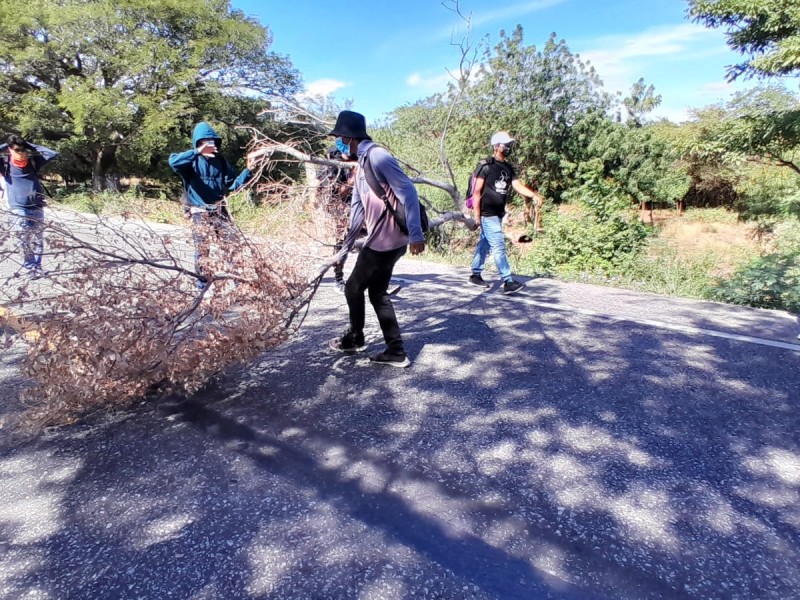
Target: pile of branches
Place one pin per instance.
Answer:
(120, 312)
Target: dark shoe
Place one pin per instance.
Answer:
(348, 343)
(392, 360)
(476, 279)
(512, 287)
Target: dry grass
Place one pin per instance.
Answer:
(728, 242)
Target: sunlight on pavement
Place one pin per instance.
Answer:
(32, 489)
(163, 530)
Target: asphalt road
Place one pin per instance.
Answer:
(567, 442)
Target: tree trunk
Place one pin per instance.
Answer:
(646, 212)
(104, 176)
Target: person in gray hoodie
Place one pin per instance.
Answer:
(207, 178)
(385, 242)
(24, 195)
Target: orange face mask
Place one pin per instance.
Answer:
(20, 162)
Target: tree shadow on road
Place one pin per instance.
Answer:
(527, 452)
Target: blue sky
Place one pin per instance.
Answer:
(383, 54)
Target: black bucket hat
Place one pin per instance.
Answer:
(351, 124)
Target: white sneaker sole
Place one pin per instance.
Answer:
(333, 345)
(519, 289)
(399, 365)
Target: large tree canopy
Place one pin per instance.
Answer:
(548, 98)
(766, 31)
(127, 76)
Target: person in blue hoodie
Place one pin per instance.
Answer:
(24, 194)
(207, 178)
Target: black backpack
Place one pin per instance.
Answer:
(399, 216)
(471, 183)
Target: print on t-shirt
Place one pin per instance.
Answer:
(501, 184)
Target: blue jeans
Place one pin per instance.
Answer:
(492, 238)
(28, 224)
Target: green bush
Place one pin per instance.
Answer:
(771, 281)
(769, 193)
(582, 243)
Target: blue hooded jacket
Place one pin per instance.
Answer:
(23, 189)
(206, 180)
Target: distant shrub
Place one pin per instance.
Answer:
(580, 242)
(771, 281)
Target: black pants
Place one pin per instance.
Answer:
(372, 273)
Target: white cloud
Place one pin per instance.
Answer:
(456, 29)
(715, 87)
(674, 114)
(620, 59)
(323, 87)
(496, 13)
(430, 83)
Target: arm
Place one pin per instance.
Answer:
(181, 162)
(45, 155)
(524, 190)
(247, 173)
(356, 222)
(387, 169)
(243, 178)
(477, 193)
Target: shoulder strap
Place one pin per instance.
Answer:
(374, 184)
(490, 160)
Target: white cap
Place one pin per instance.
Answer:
(501, 137)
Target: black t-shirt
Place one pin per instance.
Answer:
(497, 178)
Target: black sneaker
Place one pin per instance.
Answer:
(348, 343)
(512, 287)
(476, 279)
(392, 360)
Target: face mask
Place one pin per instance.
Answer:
(342, 147)
(506, 150)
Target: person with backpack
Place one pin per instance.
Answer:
(207, 178)
(24, 195)
(384, 198)
(493, 182)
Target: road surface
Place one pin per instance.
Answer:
(567, 442)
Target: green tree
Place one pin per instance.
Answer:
(550, 100)
(767, 32)
(122, 80)
(643, 100)
(629, 162)
(763, 124)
